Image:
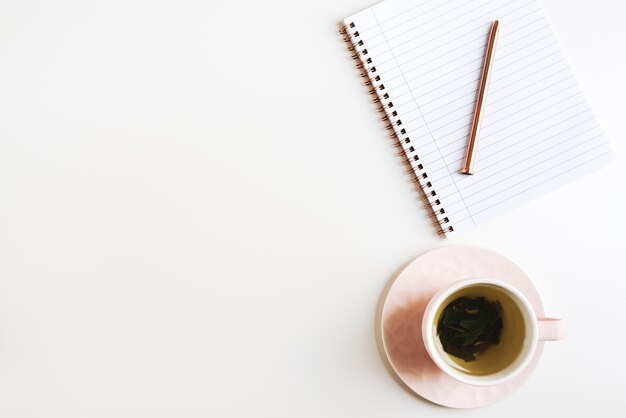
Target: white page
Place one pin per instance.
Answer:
(538, 131)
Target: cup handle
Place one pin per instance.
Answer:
(551, 329)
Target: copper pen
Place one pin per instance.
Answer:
(468, 166)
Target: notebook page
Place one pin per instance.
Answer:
(538, 131)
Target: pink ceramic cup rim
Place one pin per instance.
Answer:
(530, 342)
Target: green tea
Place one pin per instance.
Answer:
(511, 332)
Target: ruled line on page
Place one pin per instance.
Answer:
(522, 141)
(605, 154)
(470, 103)
(507, 169)
(416, 102)
(505, 143)
(408, 46)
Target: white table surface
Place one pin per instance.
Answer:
(199, 212)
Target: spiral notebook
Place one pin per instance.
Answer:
(423, 59)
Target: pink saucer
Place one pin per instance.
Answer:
(402, 322)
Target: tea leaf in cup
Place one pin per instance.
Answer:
(470, 325)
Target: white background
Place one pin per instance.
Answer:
(199, 213)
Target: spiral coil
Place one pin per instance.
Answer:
(393, 124)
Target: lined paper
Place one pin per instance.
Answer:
(538, 131)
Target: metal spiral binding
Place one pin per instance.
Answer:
(393, 124)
